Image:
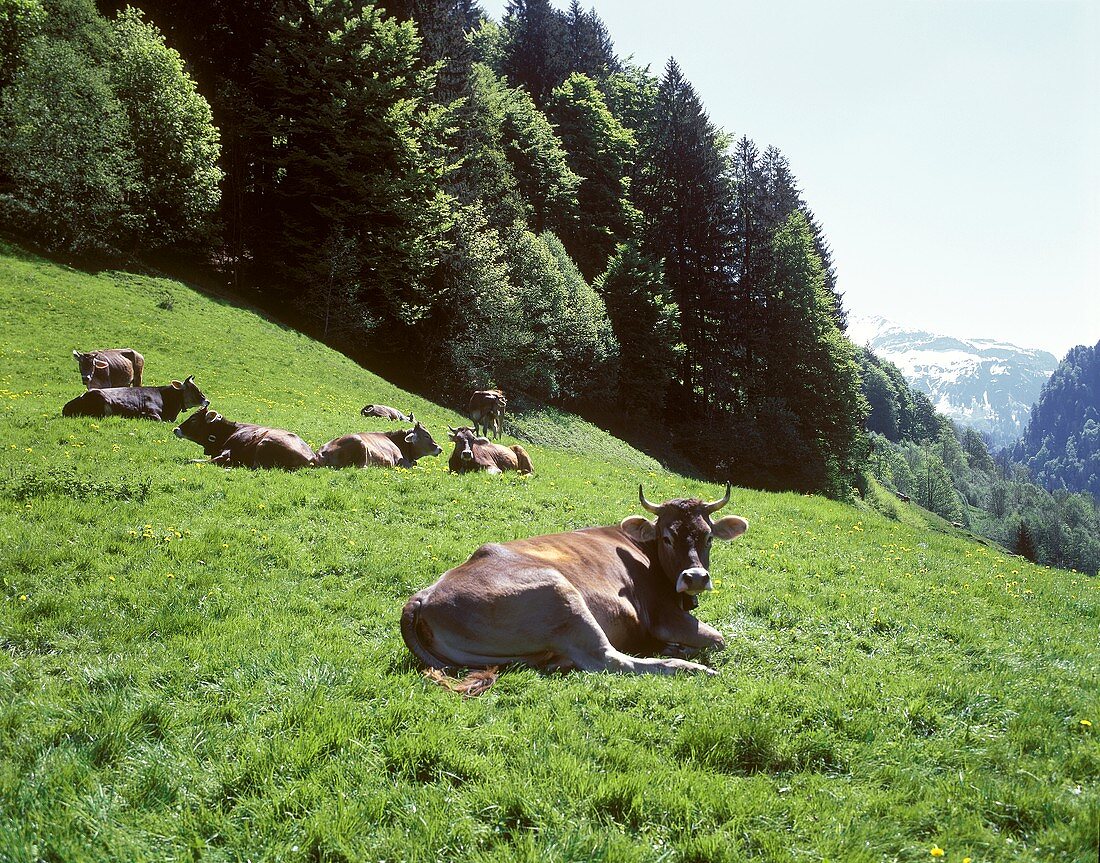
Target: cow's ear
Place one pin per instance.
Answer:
(411, 437)
(481, 440)
(176, 385)
(99, 364)
(77, 354)
(730, 527)
(639, 528)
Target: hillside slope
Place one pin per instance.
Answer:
(205, 664)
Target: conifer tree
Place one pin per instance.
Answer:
(536, 47)
(684, 191)
(589, 48)
(601, 152)
(647, 327)
(809, 363)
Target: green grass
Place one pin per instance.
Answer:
(205, 664)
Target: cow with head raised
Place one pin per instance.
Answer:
(114, 367)
(486, 411)
(615, 598)
(399, 448)
(154, 403)
(472, 453)
(230, 443)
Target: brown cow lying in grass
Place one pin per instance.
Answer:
(583, 600)
(153, 403)
(384, 449)
(479, 453)
(385, 412)
(229, 443)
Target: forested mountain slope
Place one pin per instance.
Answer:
(206, 663)
(1062, 443)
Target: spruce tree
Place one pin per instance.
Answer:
(684, 191)
(536, 47)
(601, 152)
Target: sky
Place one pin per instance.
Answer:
(944, 145)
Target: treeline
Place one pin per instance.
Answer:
(106, 147)
(950, 471)
(1061, 446)
(457, 202)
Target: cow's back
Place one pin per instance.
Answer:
(360, 449)
(262, 447)
(609, 570)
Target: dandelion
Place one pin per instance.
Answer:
(22, 597)
(936, 851)
(1085, 723)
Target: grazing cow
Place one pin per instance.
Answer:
(486, 411)
(479, 453)
(154, 403)
(579, 600)
(385, 412)
(117, 367)
(230, 443)
(384, 449)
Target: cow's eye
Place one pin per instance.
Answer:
(668, 540)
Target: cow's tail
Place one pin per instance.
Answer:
(524, 460)
(415, 632)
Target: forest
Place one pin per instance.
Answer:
(459, 203)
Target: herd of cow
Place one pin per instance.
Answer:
(112, 379)
(584, 599)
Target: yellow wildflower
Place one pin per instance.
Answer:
(936, 851)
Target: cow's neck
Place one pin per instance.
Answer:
(686, 601)
(225, 429)
(398, 438)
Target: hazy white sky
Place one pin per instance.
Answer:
(949, 147)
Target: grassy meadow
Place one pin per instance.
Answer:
(201, 664)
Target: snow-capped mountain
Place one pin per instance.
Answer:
(986, 384)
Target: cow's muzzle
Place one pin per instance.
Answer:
(178, 432)
(466, 455)
(693, 581)
(438, 451)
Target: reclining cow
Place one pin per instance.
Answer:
(579, 600)
(230, 444)
(486, 411)
(385, 412)
(479, 453)
(155, 403)
(382, 449)
(116, 367)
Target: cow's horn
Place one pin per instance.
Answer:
(718, 504)
(453, 429)
(651, 507)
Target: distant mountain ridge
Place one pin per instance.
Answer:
(987, 384)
